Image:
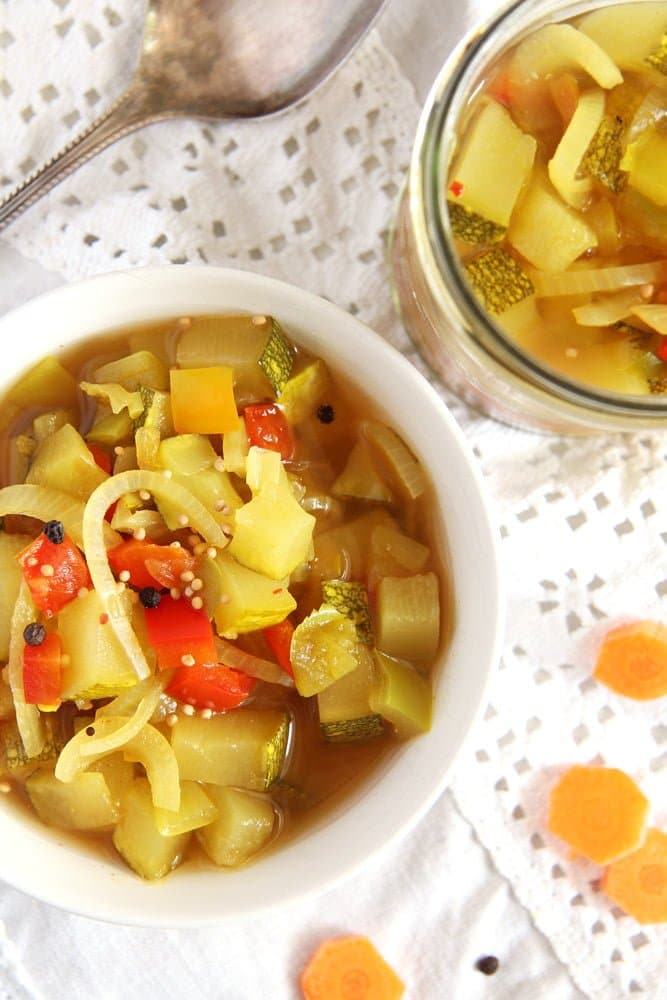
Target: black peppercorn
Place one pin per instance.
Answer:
(149, 597)
(488, 965)
(325, 413)
(90, 730)
(55, 532)
(34, 634)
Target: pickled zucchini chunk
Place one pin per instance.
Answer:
(64, 462)
(244, 825)
(46, 385)
(344, 707)
(236, 341)
(272, 533)
(246, 747)
(342, 552)
(565, 163)
(404, 473)
(239, 599)
(111, 429)
(302, 392)
(118, 773)
(547, 232)
(398, 549)
(193, 463)
(324, 647)
(558, 47)
(470, 227)
(196, 809)
(350, 599)
(138, 840)
(402, 696)
(14, 761)
(628, 32)
(645, 161)
(277, 358)
(10, 574)
(46, 424)
(498, 280)
(157, 411)
(407, 623)
(605, 151)
(85, 803)
(492, 165)
(235, 448)
(142, 368)
(360, 478)
(98, 666)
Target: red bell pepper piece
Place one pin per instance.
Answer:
(54, 572)
(267, 427)
(180, 634)
(42, 672)
(217, 687)
(662, 350)
(279, 640)
(150, 564)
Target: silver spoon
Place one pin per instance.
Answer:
(214, 59)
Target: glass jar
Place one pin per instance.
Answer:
(448, 324)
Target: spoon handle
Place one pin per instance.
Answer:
(127, 114)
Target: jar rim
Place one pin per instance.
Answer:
(452, 89)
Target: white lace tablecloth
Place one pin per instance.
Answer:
(309, 197)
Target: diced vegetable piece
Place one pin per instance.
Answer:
(214, 686)
(240, 599)
(628, 32)
(407, 552)
(653, 314)
(302, 392)
(235, 447)
(196, 809)
(350, 599)
(600, 279)
(557, 47)
(10, 574)
(272, 533)
(236, 341)
(112, 429)
(470, 227)
(401, 696)
(149, 564)
(142, 368)
(137, 837)
(277, 358)
(147, 442)
(638, 882)
(244, 825)
(632, 660)
(599, 811)
(202, 400)
(42, 672)
(547, 232)
(180, 634)
(54, 571)
(408, 616)
(344, 707)
(46, 424)
(342, 552)
(324, 648)
(98, 666)
(47, 384)
(83, 804)
(246, 748)
(279, 641)
(157, 411)
(564, 164)
(15, 759)
(63, 462)
(340, 961)
(604, 154)
(498, 280)
(119, 399)
(267, 427)
(404, 473)
(360, 478)
(117, 772)
(193, 463)
(645, 161)
(493, 164)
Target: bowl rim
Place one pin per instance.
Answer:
(376, 816)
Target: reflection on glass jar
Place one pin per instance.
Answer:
(530, 250)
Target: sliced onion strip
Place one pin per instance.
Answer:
(254, 666)
(580, 281)
(28, 719)
(46, 504)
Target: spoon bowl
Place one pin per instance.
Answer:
(214, 59)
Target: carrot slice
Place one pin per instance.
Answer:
(349, 968)
(633, 660)
(638, 883)
(599, 812)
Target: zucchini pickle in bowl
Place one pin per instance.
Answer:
(251, 595)
(530, 253)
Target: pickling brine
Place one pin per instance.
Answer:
(220, 603)
(557, 196)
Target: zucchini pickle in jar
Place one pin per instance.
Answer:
(221, 604)
(530, 250)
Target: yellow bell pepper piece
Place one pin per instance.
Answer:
(202, 400)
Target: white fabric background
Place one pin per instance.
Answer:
(583, 528)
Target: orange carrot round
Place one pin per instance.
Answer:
(638, 883)
(599, 811)
(633, 660)
(349, 968)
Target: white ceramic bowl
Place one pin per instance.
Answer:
(53, 868)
